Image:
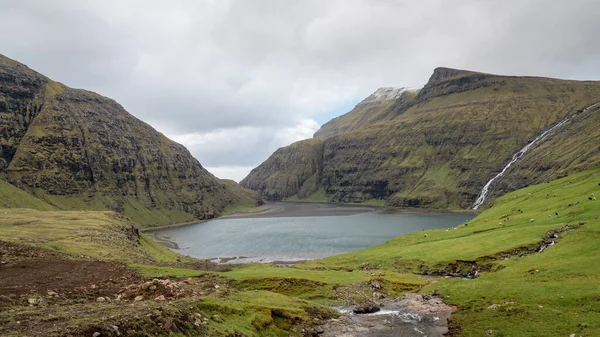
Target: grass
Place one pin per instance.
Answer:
(438, 149)
(261, 313)
(555, 293)
(99, 235)
(317, 196)
(552, 293)
(11, 196)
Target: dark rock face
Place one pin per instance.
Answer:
(438, 148)
(77, 149)
(292, 170)
(21, 99)
(366, 308)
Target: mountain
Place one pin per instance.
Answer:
(75, 149)
(438, 146)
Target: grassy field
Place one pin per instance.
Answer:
(552, 293)
(518, 292)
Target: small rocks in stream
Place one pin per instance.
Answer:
(366, 308)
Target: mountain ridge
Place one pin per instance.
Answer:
(76, 149)
(438, 148)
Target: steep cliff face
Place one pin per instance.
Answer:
(75, 149)
(438, 148)
(294, 170)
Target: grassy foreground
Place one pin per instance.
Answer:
(553, 293)
(518, 292)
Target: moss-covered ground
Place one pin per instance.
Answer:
(518, 292)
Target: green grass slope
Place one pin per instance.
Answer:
(439, 148)
(518, 292)
(11, 197)
(553, 293)
(97, 235)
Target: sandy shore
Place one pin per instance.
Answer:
(297, 209)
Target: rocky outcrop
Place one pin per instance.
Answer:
(291, 170)
(76, 149)
(439, 147)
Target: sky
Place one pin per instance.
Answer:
(233, 80)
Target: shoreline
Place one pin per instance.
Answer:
(175, 225)
(275, 207)
(301, 209)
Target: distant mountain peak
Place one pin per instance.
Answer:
(443, 73)
(387, 93)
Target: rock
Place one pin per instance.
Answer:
(116, 330)
(378, 295)
(217, 286)
(52, 293)
(489, 333)
(493, 307)
(33, 301)
(365, 266)
(375, 284)
(96, 334)
(319, 330)
(217, 318)
(101, 299)
(160, 298)
(138, 298)
(366, 308)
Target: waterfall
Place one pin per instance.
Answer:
(484, 192)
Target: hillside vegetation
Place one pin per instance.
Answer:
(438, 147)
(520, 289)
(76, 150)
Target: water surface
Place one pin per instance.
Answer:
(298, 238)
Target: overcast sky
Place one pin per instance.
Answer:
(235, 80)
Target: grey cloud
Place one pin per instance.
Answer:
(198, 66)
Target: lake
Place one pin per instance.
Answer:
(313, 231)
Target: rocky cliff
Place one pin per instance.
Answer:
(75, 149)
(294, 170)
(437, 147)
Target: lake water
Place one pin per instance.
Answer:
(298, 238)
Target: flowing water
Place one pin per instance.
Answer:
(298, 238)
(484, 192)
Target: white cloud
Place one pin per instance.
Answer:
(235, 79)
(235, 173)
(236, 150)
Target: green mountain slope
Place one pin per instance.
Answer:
(75, 149)
(439, 147)
(553, 293)
(291, 171)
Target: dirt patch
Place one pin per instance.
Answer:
(29, 271)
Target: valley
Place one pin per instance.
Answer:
(365, 229)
